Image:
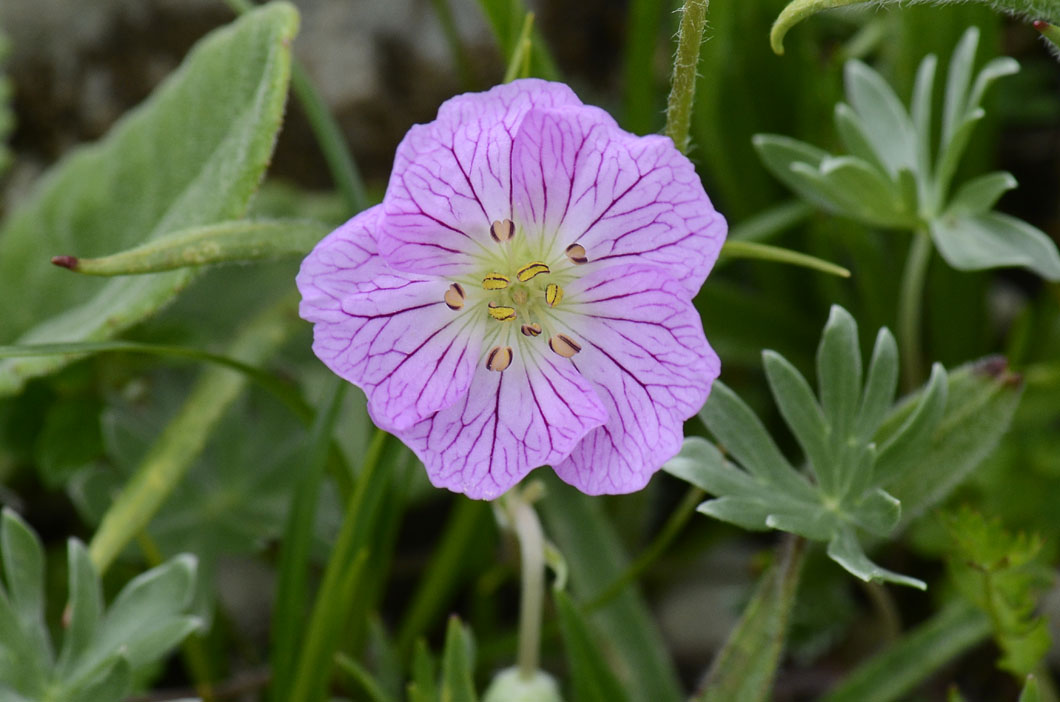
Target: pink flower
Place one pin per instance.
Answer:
(523, 295)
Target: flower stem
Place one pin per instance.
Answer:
(683, 86)
(527, 528)
(910, 304)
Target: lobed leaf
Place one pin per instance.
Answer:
(979, 195)
(880, 385)
(23, 557)
(888, 126)
(86, 607)
(902, 449)
(191, 155)
(845, 550)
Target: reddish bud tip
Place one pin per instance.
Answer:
(65, 262)
(1041, 25)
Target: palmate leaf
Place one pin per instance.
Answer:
(190, 156)
(101, 649)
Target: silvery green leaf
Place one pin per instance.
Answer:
(878, 512)
(854, 135)
(920, 109)
(959, 78)
(744, 512)
(979, 195)
(741, 433)
(86, 606)
(951, 151)
(700, 463)
(851, 187)
(817, 524)
(997, 68)
(888, 126)
(839, 371)
(801, 412)
(995, 240)
(902, 445)
(23, 558)
(110, 683)
(845, 550)
(780, 153)
(880, 385)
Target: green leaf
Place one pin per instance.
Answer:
(887, 125)
(897, 670)
(191, 155)
(880, 385)
(979, 195)
(799, 407)
(901, 449)
(780, 153)
(845, 550)
(457, 664)
(700, 463)
(23, 557)
(920, 110)
(69, 439)
(851, 187)
(592, 678)
(854, 135)
(878, 512)
(983, 397)
(995, 240)
(839, 381)
(423, 687)
(111, 683)
(145, 621)
(86, 607)
(1030, 691)
(506, 18)
(765, 252)
(997, 571)
(240, 241)
(743, 670)
(958, 81)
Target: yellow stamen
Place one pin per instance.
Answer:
(495, 281)
(501, 313)
(553, 294)
(499, 358)
(531, 329)
(531, 270)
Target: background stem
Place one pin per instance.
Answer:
(910, 304)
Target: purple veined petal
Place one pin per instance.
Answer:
(644, 352)
(579, 177)
(389, 333)
(530, 415)
(452, 177)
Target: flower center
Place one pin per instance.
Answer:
(525, 289)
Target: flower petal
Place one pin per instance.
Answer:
(532, 414)
(389, 333)
(452, 177)
(643, 351)
(578, 176)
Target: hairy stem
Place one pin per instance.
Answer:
(683, 87)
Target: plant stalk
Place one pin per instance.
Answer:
(910, 306)
(527, 528)
(683, 86)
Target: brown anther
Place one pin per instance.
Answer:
(454, 296)
(502, 230)
(553, 294)
(564, 345)
(499, 358)
(576, 253)
(533, 329)
(502, 313)
(531, 271)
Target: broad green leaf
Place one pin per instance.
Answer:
(845, 550)
(743, 670)
(240, 241)
(190, 156)
(880, 385)
(979, 195)
(893, 673)
(902, 446)
(458, 665)
(982, 397)
(887, 124)
(86, 607)
(995, 240)
(23, 557)
(593, 680)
